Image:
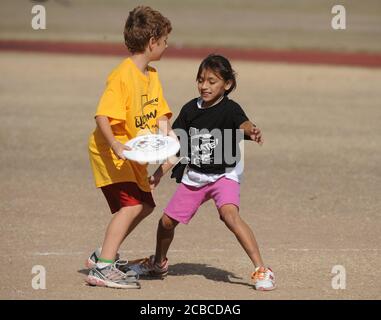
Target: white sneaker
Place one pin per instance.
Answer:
(264, 279)
(110, 276)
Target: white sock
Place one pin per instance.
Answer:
(102, 265)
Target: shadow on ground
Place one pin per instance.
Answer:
(197, 269)
(207, 271)
(84, 271)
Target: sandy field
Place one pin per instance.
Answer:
(311, 193)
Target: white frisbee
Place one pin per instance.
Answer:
(151, 148)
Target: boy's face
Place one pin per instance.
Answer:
(158, 47)
(211, 87)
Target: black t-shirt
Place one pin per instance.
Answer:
(212, 140)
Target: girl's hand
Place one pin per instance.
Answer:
(118, 149)
(154, 181)
(256, 135)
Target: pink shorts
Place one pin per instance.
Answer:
(186, 200)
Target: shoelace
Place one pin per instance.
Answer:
(114, 273)
(146, 263)
(149, 264)
(120, 263)
(261, 275)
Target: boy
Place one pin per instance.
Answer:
(132, 104)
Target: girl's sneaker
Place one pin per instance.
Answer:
(147, 267)
(93, 259)
(264, 279)
(110, 276)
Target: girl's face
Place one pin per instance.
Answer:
(211, 87)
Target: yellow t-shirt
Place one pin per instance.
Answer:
(132, 101)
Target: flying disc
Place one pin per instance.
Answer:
(151, 148)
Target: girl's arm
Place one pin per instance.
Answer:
(165, 129)
(162, 170)
(252, 131)
(104, 126)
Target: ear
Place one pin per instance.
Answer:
(151, 42)
(228, 85)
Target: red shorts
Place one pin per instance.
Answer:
(125, 194)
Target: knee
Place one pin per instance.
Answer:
(167, 223)
(230, 217)
(141, 210)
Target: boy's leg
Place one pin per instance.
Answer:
(230, 215)
(120, 226)
(164, 237)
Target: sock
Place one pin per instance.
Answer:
(101, 265)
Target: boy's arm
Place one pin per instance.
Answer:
(252, 131)
(104, 126)
(165, 127)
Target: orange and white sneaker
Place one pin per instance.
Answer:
(264, 279)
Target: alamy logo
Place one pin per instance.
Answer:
(211, 147)
(339, 281)
(338, 22)
(39, 280)
(203, 145)
(39, 18)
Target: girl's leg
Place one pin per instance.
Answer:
(164, 237)
(230, 215)
(120, 226)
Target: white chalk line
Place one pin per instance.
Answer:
(70, 253)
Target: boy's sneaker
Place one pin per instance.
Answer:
(147, 267)
(124, 266)
(93, 259)
(110, 276)
(264, 279)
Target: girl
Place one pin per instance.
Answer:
(208, 173)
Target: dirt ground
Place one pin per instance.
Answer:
(311, 193)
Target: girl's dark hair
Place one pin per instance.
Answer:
(221, 67)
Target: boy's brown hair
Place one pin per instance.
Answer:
(143, 23)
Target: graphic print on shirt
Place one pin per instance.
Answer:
(203, 145)
(147, 112)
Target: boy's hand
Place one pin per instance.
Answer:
(154, 181)
(256, 135)
(118, 149)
